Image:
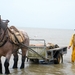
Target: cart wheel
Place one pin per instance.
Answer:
(59, 59)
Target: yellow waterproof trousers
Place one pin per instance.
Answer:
(72, 43)
(73, 54)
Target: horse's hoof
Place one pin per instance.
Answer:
(7, 72)
(14, 67)
(1, 73)
(21, 67)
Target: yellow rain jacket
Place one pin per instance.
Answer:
(72, 43)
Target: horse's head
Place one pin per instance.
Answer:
(3, 23)
(3, 26)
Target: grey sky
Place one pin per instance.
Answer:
(39, 13)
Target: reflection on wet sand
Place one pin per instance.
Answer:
(45, 69)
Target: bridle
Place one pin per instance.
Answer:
(4, 37)
(3, 34)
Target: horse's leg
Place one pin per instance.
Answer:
(23, 57)
(15, 60)
(0, 66)
(6, 63)
(24, 49)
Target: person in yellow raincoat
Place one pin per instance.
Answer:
(72, 43)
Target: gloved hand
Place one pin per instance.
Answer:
(69, 47)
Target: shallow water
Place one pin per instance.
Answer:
(44, 69)
(62, 38)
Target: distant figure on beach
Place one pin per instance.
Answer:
(72, 43)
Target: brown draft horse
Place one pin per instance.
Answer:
(7, 47)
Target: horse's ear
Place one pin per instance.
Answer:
(7, 21)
